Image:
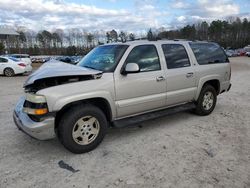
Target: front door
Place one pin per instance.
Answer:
(143, 91)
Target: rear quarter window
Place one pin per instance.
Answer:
(208, 53)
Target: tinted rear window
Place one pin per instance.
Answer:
(20, 56)
(15, 56)
(13, 59)
(207, 53)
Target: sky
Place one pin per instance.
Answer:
(127, 15)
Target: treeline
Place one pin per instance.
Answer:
(59, 42)
(232, 33)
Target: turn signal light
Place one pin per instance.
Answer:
(41, 111)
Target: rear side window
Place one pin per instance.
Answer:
(207, 53)
(175, 55)
(146, 57)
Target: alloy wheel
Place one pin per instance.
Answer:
(85, 130)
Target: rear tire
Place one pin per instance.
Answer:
(82, 128)
(9, 72)
(206, 101)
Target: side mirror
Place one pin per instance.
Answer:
(131, 68)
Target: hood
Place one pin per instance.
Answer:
(56, 69)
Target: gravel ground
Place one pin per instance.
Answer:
(181, 150)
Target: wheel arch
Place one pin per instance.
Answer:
(101, 103)
(214, 81)
(9, 68)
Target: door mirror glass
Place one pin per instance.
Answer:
(132, 68)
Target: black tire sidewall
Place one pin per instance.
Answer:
(199, 107)
(68, 121)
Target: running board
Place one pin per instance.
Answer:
(152, 115)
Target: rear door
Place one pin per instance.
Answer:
(180, 75)
(142, 91)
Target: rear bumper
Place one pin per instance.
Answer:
(43, 130)
(21, 70)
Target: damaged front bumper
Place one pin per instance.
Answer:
(43, 130)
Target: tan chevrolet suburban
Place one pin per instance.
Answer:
(120, 84)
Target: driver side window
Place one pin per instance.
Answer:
(146, 57)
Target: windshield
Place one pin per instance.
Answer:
(103, 58)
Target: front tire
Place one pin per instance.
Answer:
(9, 72)
(206, 101)
(82, 128)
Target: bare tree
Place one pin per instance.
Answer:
(113, 36)
(123, 36)
(131, 36)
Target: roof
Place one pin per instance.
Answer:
(160, 41)
(142, 42)
(7, 31)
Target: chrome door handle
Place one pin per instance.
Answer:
(160, 78)
(190, 74)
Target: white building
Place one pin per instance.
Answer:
(8, 37)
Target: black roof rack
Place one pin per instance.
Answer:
(181, 40)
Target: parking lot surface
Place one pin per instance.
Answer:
(180, 150)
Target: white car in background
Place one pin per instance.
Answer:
(22, 57)
(10, 66)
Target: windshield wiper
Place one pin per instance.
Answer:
(90, 67)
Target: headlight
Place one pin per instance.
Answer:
(35, 98)
(35, 104)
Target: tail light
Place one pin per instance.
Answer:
(22, 64)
